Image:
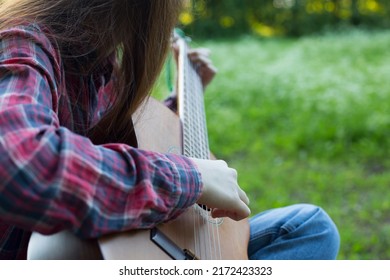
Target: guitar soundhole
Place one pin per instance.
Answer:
(205, 213)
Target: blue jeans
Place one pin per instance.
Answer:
(300, 232)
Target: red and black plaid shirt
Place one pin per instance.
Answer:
(51, 176)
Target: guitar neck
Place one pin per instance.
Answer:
(191, 107)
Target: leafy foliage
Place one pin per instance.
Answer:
(225, 18)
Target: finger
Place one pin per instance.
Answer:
(243, 211)
(198, 52)
(202, 62)
(244, 198)
(198, 56)
(234, 215)
(206, 71)
(220, 213)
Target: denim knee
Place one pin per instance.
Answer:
(328, 231)
(300, 231)
(319, 225)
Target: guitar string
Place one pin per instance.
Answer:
(196, 251)
(214, 239)
(197, 248)
(212, 228)
(197, 103)
(204, 252)
(209, 236)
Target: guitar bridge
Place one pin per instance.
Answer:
(169, 247)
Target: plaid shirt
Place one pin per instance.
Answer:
(52, 177)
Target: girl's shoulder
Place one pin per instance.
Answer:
(33, 41)
(31, 37)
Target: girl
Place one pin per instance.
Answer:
(72, 72)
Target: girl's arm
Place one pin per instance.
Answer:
(54, 179)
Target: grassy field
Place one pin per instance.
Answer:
(308, 121)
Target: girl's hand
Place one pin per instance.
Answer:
(221, 191)
(200, 57)
(204, 66)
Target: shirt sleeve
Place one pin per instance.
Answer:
(53, 179)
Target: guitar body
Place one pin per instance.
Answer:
(158, 122)
(158, 129)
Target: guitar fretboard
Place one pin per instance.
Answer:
(191, 108)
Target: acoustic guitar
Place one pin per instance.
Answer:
(194, 234)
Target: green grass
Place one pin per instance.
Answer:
(308, 121)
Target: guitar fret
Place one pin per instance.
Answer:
(195, 140)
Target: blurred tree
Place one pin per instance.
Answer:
(222, 18)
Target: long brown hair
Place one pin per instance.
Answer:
(138, 30)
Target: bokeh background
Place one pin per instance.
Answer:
(301, 106)
(268, 18)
